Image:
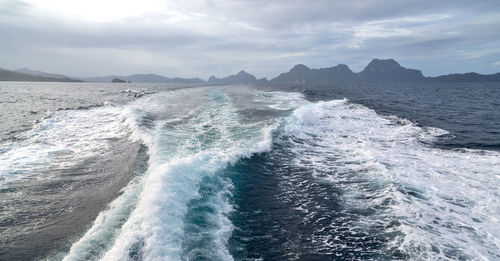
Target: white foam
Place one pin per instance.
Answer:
(182, 152)
(106, 226)
(60, 141)
(447, 201)
(281, 100)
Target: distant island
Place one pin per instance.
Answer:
(117, 80)
(376, 71)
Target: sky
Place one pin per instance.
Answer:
(195, 38)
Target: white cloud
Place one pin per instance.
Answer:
(200, 38)
(97, 11)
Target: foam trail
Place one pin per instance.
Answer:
(147, 222)
(445, 201)
(155, 229)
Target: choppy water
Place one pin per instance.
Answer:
(237, 173)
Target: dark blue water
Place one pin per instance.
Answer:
(285, 212)
(469, 111)
(273, 221)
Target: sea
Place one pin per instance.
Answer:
(102, 171)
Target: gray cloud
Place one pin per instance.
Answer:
(200, 38)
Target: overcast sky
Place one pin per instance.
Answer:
(198, 38)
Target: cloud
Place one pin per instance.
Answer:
(201, 38)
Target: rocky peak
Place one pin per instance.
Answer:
(299, 68)
(378, 65)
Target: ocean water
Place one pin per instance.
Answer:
(170, 172)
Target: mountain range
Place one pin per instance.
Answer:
(145, 78)
(40, 73)
(375, 72)
(33, 76)
(241, 77)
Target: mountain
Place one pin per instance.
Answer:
(186, 80)
(116, 80)
(103, 78)
(241, 77)
(466, 77)
(40, 73)
(389, 71)
(301, 74)
(145, 78)
(376, 71)
(6, 75)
